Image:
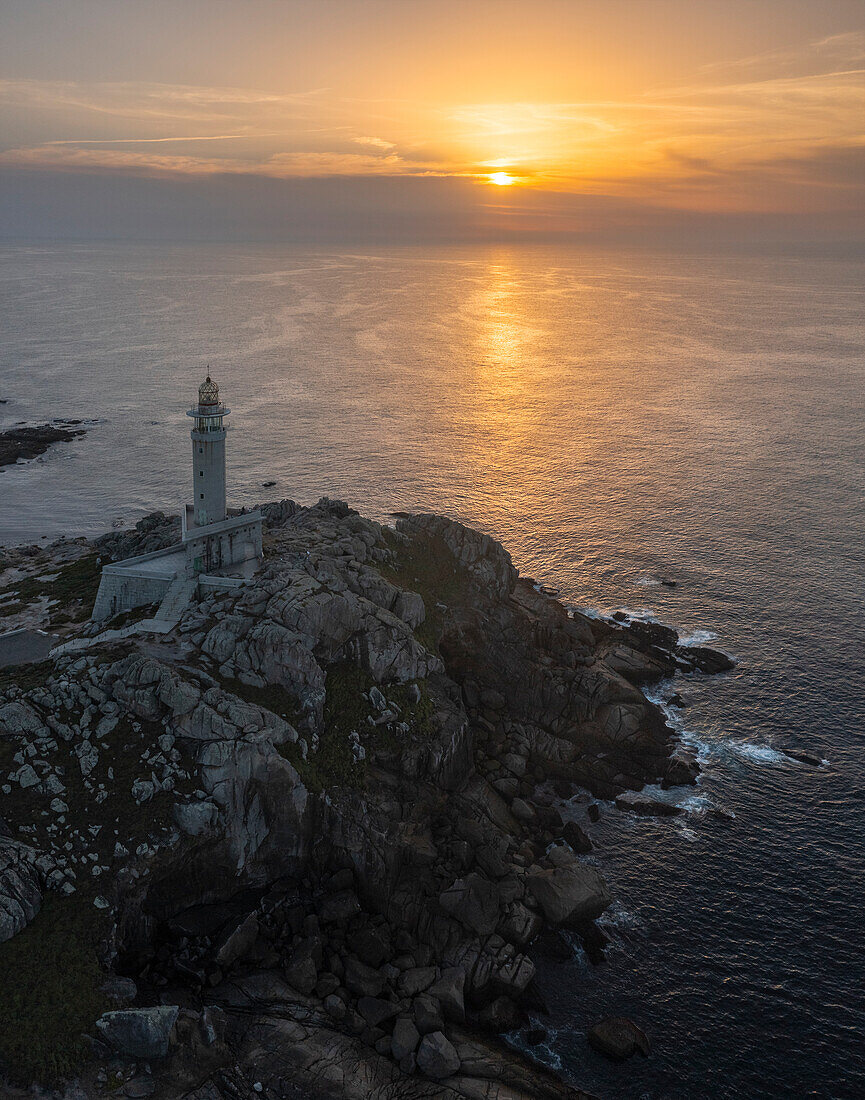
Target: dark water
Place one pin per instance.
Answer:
(614, 419)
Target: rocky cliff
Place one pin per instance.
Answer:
(301, 846)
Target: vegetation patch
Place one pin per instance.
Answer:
(73, 588)
(427, 566)
(116, 817)
(272, 697)
(28, 676)
(345, 710)
(133, 615)
(49, 996)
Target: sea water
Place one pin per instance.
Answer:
(617, 419)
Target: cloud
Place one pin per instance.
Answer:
(776, 131)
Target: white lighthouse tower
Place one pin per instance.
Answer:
(208, 455)
(214, 541)
(217, 551)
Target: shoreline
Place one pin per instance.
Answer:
(437, 682)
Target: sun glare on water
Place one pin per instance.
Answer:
(501, 179)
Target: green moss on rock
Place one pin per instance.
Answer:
(49, 993)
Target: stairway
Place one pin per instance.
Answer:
(174, 601)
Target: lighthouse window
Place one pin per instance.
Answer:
(201, 496)
(201, 450)
(201, 473)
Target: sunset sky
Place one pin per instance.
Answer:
(338, 118)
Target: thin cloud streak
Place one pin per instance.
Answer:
(788, 140)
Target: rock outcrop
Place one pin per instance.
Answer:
(23, 443)
(319, 815)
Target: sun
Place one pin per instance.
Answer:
(501, 179)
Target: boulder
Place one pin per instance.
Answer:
(415, 980)
(427, 1013)
(803, 757)
(405, 1038)
(474, 902)
(20, 887)
(238, 941)
(568, 894)
(375, 1010)
(618, 1038)
(522, 811)
(362, 979)
(436, 1056)
(371, 945)
(139, 1032)
(499, 1015)
(449, 991)
(300, 973)
(519, 925)
(339, 908)
(636, 802)
(576, 837)
(195, 818)
(706, 660)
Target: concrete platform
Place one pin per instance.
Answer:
(20, 647)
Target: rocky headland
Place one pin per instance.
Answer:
(303, 845)
(21, 443)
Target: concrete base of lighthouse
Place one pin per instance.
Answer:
(218, 555)
(219, 546)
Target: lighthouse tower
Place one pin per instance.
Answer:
(214, 541)
(208, 455)
(217, 551)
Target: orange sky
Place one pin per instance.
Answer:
(747, 107)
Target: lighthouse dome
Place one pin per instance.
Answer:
(208, 392)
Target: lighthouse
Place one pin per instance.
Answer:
(208, 455)
(216, 552)
(214, 541)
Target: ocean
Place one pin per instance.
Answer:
(616, 419)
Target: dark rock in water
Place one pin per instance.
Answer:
(676, 700)
(576, 837)
(268, 484)
(594, 812)
(26, 443)
(706, 660)
(803, 757)
(653, 634)
(595, 941)
(669, 583)
(682, 769)
(636, 803)
(553, 945)
(535, 1035)
(618, 1038)
(621, 617)
(571, 893)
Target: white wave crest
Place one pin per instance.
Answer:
(698, 637)
(617, 916)
(757, 754)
